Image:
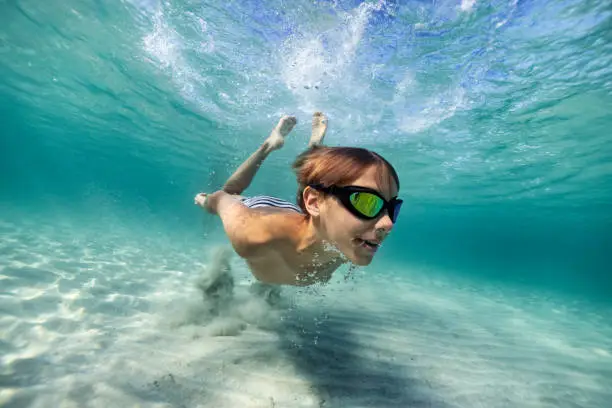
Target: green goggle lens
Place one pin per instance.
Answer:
(366, 203)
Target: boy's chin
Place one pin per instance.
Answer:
(360, 260)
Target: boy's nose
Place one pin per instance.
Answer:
(384, 225)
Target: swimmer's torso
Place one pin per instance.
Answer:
(280, 262)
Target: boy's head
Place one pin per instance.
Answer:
(351, 195)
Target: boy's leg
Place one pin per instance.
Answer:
(319, 127)
(242, 177)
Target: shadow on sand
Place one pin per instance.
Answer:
(344, 373)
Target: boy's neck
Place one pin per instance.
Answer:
(312, 245)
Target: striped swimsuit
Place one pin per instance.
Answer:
(267, 201)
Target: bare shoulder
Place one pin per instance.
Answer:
(252, 230)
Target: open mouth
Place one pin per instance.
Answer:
(371, 245)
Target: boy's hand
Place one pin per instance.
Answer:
(204, 200)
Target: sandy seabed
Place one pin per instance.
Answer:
(120, 323)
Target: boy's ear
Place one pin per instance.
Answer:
(311, 201)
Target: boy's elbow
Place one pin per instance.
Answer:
(244, 250)
(245, 231)
(248, 247)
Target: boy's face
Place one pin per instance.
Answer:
(348, 232)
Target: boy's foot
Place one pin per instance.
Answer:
(319, 127)
(277, 136)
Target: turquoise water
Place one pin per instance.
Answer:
(496, 116)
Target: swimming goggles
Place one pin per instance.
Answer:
(363, 202)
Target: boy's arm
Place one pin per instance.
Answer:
(245, 228)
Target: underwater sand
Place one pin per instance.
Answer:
(109, 323)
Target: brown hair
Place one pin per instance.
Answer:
(337, 166)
